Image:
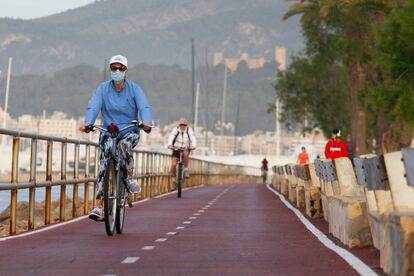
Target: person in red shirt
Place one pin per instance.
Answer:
(303, 157)
(335, 147)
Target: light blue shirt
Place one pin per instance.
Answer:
(118, 107)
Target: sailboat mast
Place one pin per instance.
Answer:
(192, 82)
(6, 100)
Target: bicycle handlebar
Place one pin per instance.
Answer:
(179, 148)
(90, 128)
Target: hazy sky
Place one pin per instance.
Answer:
(28, 9)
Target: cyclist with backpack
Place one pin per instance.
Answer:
(181, 136)
(119, 101)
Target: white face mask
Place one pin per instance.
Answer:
(117, 76)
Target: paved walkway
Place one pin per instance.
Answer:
(212, 230)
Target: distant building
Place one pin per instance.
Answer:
(58, 125)
(252, 63)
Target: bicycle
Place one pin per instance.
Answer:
(180, 171)
(114, 183)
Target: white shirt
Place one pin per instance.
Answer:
(183, 139)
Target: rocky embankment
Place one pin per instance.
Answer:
(22, 215)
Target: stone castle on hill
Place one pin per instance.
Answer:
(252, 63)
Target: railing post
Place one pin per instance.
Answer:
(95, 174)
(147, 171)
(14, 179)
(62, 202)
(48, 200)
(75, 177)
(32, 191)
(143, 179)
(136, 166)
(150, 171)
(86, 187)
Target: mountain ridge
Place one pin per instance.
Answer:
(154, 32)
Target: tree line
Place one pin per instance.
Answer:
(356, 71)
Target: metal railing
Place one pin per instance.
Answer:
(152, 169)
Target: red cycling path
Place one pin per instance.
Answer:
(212, 230)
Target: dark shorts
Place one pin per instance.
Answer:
(176, 153)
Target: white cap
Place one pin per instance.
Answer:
(183, 121)
(119, 59)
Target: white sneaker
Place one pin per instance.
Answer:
(186, 173)
(133, 186)
(97, 213)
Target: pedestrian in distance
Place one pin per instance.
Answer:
(351, 147)
(335, 147)
(303, 157)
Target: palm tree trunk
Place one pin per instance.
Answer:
(357, 113)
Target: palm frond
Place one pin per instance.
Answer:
(295, 9)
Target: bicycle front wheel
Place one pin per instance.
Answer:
(120, 208)
(179, 179)
(110, 197)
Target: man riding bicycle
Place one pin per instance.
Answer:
(181, 136)
(119, 101)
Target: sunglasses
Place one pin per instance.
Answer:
(120, 68)
(183, 125)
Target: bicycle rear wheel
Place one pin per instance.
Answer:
(120, 208)
(110, 199)
(179, 179)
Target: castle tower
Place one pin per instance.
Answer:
(218, 58)
(280, 57)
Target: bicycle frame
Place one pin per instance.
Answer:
(180, 171)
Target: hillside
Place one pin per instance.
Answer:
(167, 87)
(153, 32)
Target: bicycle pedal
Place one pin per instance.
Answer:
(129, 203)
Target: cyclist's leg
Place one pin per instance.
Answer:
(125, 145)
(186, 158)
(97, 212)
(104, 149)
(174, 162)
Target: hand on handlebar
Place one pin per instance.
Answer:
(86, 128)
(147, 128)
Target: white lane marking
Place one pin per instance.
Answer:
(161, 240)
(179, 227)
(200, 211)
(187, 222)
(174, 192)
(171, 233)
(148, 247)
(351, 259)
(130, 260)
(192, 218)
(108, 275)
(196, 214)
